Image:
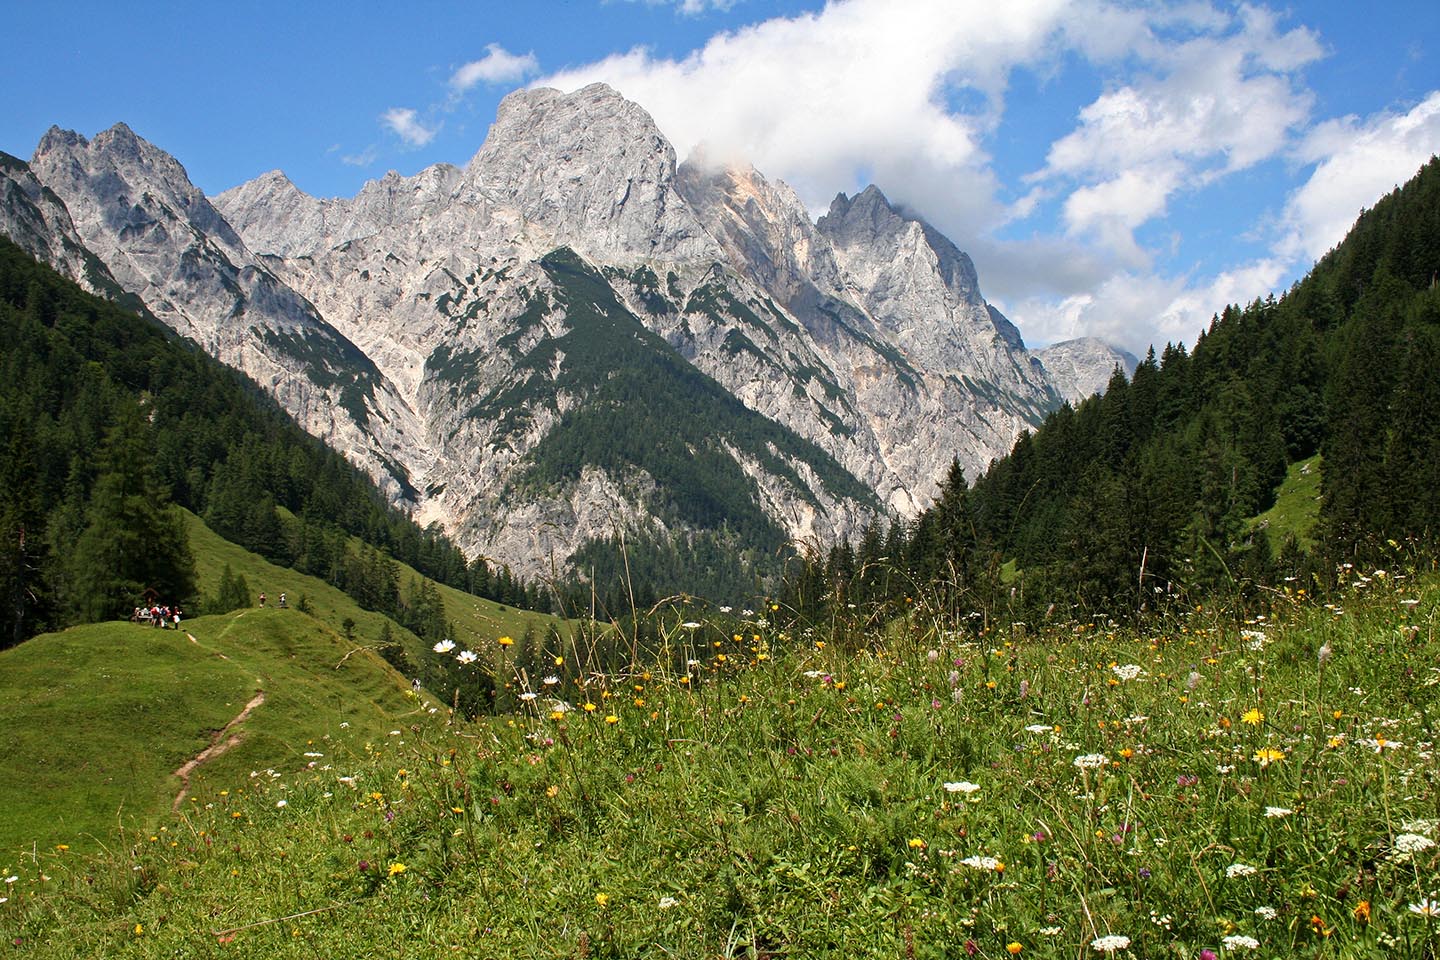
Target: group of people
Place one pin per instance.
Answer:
(282, 604)
(157, 615)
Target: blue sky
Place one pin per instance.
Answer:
(1115, 169)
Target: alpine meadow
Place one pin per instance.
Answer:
(586, 553)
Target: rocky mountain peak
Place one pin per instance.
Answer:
(587, 169)
(1082, 367)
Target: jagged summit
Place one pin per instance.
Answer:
(454, 330)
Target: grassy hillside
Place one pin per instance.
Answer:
(1262, 787)
(1296, 511)
(99, 717)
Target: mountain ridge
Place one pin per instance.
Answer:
(876, 346)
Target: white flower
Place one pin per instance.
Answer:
(528, 695)
(466, 656)
(11, 879)
(667, 902)
(551, 680)
(1239, 941)
(444, 646)
(1091, 761)
(1039, 728)
(312, 753)
(962, 786)
(1276, 812)
(1266, 913)
(690, 625)
(1239, 870)
(282, 803)
(1429, 908)
(1126, 671)
(1049, 931)
(1111, 943)
(1408, 844)
(981, 863)
(722, 610)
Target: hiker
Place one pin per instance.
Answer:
(282, 601)
(262, 598)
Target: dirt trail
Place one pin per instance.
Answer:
(218, 745)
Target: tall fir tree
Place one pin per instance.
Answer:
(132, 541)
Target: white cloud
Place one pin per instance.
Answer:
(1212, 105)
(1357, 162)
(403, 123)
(497, 66)
(690, 8)
(362, 159)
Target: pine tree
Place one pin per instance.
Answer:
(132, 541)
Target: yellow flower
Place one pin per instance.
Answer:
(612, 719)
(397, 868)
(1127, 753)
(1268, 755)
(1362, 911)
(1013, 948)
(916, 843)
(1253, 716)
(559, 661)
(639, 701)
(507, 641)
(552, 791)
(62, 846)
(601, 899)
(589, 708)
(139, 929)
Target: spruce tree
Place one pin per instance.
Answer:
(132, 542)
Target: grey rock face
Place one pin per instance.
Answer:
(134, 206)
(36, 219)
(420, 328)
(1082, 367)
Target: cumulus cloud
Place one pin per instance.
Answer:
(1357, 162)
(497, 66)
(403, 123)
(1204, 108)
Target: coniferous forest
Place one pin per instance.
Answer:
(1148, 492)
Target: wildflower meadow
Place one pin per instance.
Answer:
(1210, 784)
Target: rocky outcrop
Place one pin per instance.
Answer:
(1082, 367)
(36, 219)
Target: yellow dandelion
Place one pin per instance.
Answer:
(612, 719)
(1253, 716)
(507, 641)
(552, 791)
(589, 708)
(601, 899)
(397, 868)
(916, 843)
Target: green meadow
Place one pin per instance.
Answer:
(1207, 785)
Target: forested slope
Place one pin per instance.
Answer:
(1146, 491)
